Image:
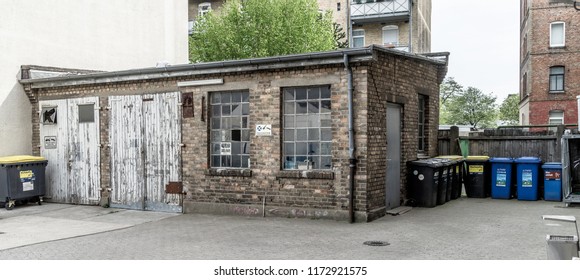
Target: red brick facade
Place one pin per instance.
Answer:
(537, 57)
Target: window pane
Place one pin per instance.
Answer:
(288, 121)
(246, 97)
(301, 94)
(326, 134)
(302, 121)
(315, 162)
(226, 97)
(314, 93)
(236, 110)
(301, 148)
(325, 92)
(289, 107)
(325, 148)
(325, 106)
(358, 42)
(288, 134)
(245, 122)
(215, 123)
(314, 148)
(215, 161)
(325, 120)
(313, 107)
(236, 97)
(325, 162)
(215, 98)
(556, 70)
(557, 34)
(301, 134)
(289, 148)
(245, 109)
(236, 135)
(245, 135)
(301, 107)
(236, 161)
(313, 134)
(245, 161)
(226, 110)
(358, 33)
(288, 95)
(314, 120)
(87, 113)
(216, 110)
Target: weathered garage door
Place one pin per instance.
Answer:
(145, 138)
(69, 136)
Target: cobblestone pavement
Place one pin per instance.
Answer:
(464, 229)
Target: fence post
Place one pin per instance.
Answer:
(559, 132)
(454, 141)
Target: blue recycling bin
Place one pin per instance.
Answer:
(528, 169)
(501, 178)
(552, 181)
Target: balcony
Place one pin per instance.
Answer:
(368, 11)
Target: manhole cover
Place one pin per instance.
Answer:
(376, 243)
(2, 232)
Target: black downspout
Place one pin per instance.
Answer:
(351, 159)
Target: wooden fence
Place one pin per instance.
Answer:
(504, 142)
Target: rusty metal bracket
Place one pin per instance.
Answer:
(174, 188)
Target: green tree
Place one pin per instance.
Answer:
(509, 110)
(339, 36)
(472, 107)
(448, 90)
(260, 28)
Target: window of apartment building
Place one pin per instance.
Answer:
(307, 128)
(556, 117)
(230, 129)
(204, 8)
(421, 121)
(557, 34)
(391, 35)
(556, 79)
(524, 92)
(358, 38)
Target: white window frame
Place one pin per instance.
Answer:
(556, 118)
(203, 8)
(358, 36)
(563, 44)
(390, 28)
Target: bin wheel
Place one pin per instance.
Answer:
(39, 201)
(10, 205)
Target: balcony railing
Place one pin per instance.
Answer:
(361, 9)
(397, 46)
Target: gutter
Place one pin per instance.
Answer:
(351, 147)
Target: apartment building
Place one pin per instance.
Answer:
(549, 62)
(401, 24)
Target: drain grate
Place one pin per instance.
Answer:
(376, 243)
(2, 232)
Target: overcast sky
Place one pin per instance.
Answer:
(483, 39)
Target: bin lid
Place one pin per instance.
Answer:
(501, 160)
(528, 160)
(426, 162)
(20, 159)
(477, 158)
(452, 157)
(552, 165)
(445, 161)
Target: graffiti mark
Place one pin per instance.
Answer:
(245, 210)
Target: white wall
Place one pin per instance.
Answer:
(81, 34)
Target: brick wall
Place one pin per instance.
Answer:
(318, 194)
(395, 80)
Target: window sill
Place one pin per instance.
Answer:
(226, 172)
(556, 91)
(305, 174)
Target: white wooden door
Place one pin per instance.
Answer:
(145, 137)
(72, 146)
(126, 114)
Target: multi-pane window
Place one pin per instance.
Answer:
(557, 34)
(557, 78)
(307, 128)
(204, 8)
(421, 122)
(230, 129)
(524, 86)
(358, 38)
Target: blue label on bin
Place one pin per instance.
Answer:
(527, 178)
(501, 178)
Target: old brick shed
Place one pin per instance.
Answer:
(271, 136)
